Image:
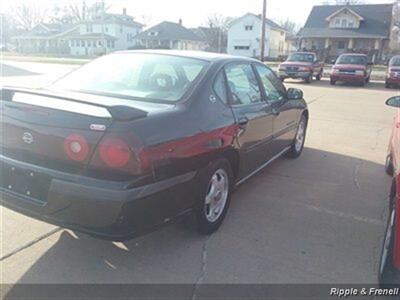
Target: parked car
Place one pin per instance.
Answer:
(152, 137)
(393, 72)
(389, 268)
(352, 68)
(302, 65)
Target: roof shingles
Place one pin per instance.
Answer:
(168, 31)
(376, 23)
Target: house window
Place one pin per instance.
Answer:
(82, 43)
(242, 47)
(153, 33)
(341, 44)
(248, 28)
(337, 23)
(351, 24)
(344, 23)
(112, 44)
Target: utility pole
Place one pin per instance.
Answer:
(264, 15)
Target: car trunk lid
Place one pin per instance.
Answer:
(61, 130)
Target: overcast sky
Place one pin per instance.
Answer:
(195, 12)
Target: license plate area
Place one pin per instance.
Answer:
(25, 182)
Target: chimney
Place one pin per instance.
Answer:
(124, 11)
(180, 22)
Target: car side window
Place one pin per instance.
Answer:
(274, 89)
(220, 87)
(243, 84)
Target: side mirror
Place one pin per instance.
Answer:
(294, 94)
(394, 101)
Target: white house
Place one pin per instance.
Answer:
(102, 33)
(244, 36)
(105, 33)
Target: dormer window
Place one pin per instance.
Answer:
(153, 33)
(344, 23)
(248, 27)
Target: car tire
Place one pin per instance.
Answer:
(309, 79)
(319, 76)
(389, 165)
(333, 82)
(216, 184)
(387, 85)
(298, 144)
(368, 79)
(362, 83)
(387, 272)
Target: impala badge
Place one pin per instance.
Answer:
(27, 137)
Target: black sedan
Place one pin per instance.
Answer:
(136, 139)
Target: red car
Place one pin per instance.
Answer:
(393, 72)
(302, 65)
(354, 68)
(389, 269)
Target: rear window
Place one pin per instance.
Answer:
(303, 57)
(352, 60)
(147, 77)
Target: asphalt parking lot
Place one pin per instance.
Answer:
(317, 219)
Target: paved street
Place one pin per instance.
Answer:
(317, 219)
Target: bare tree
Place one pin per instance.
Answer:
(75, 12)
(145, 19)
(219, 21)
(27, 16)
(290, 26)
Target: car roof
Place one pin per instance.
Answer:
(302, 52)
(354, 54)
(208, 56)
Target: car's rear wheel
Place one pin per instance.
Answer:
(298, 144)
(387, 85)
(389, 165)
(215, 189)
(309, 78)
(333, 82)
(319, 76)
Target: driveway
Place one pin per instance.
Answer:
(317, 219)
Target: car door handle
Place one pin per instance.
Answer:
(243, 121)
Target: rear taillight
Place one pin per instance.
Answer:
(76, 147)
(114, 152)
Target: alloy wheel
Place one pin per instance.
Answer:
(217, 195)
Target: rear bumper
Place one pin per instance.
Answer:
(105, 209)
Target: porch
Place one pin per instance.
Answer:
(328, 49)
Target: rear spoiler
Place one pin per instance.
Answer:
(58, 101)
